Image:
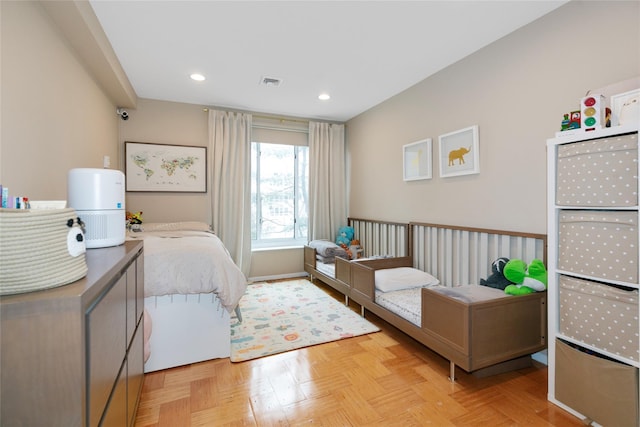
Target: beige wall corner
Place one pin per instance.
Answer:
(77, 21)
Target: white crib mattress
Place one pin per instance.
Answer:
(327, 269)
(406, 303)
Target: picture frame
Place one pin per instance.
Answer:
(459, 152)
(165, 167)
(618, 101)
(417, 160)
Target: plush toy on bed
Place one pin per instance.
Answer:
(343, 239)
(345, 236)
(497, 279)
(527, 279)
(133, 220)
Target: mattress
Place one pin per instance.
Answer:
(406, 303)
(470, 293)
(328, 269)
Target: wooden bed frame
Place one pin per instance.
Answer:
(343, 273)
(483, 337)
(376, 237)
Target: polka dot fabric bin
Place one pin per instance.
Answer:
(603, 316)
(600, 244)
(601, 172)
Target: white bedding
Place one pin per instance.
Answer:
(189, 262)
(406, 303)
(399, 291)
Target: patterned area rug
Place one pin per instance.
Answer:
(283, 316)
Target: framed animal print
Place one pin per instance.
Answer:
(416, 160)
(459, 152)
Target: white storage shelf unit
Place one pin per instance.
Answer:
(594, 350)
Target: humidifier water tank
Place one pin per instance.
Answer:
(97, 195)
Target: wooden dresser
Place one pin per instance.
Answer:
(73, 355)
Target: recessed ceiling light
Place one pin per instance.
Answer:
(324, 96)
(197, 77)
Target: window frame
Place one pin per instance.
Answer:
(284, 131)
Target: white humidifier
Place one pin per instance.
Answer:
(97, 195)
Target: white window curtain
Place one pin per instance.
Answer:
(230, 156)
(327, 180)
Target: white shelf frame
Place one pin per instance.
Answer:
(553, 211)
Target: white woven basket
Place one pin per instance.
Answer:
(35, 253)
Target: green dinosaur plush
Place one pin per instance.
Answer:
(526, 279)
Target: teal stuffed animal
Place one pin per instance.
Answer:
(345, 236)
(526, 279)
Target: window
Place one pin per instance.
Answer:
(279, 194)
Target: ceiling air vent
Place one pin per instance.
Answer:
(271, 81)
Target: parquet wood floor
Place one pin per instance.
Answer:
(381, 379)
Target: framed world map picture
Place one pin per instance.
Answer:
(161, 167)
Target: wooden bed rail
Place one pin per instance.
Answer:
(463, 255)
(381, 237)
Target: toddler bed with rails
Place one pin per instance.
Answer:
(192, 287)
(434, 296)
(380, 239)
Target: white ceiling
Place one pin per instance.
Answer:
(360, 52)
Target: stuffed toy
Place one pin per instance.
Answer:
(347, 249)
(356, 249)
(133, 217)
(133, 220)
(345, 236)
(497, 279)
(527, 279)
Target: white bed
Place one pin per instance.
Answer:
(192, 287)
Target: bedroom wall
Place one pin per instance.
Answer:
(55, 117)
(516, 90)
(162, 122)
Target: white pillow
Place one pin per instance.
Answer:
(395, 279)
(176, 226)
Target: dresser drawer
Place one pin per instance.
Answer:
(106, 341)
(135, 373)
